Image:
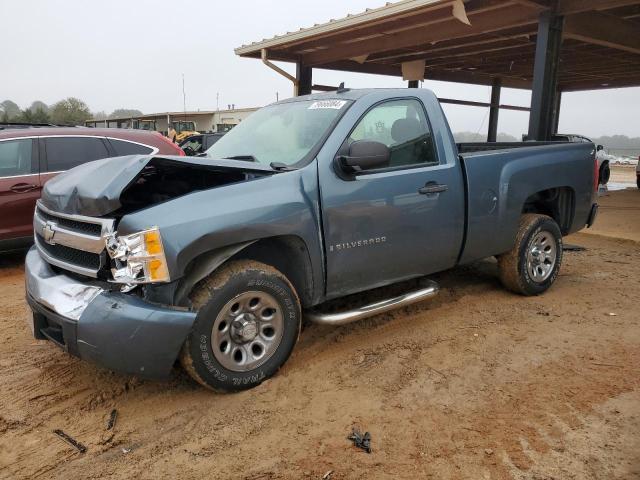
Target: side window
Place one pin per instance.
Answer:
(402, 126)
(192, 145)
(128, 148)
(64, 153)
(15, 157)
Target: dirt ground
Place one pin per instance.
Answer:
(477, 384)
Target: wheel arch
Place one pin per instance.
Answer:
(557, 203)
(287, 253)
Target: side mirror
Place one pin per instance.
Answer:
(599, 147)
(365, 155)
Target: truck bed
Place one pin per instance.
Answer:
(501, 177)
(470, 147)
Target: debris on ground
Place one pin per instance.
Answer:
(112, 419)
(109, 431)
(71, 441)
(568, 247)
(327, 475)
(361, 441)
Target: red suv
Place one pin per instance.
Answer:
(31, 156)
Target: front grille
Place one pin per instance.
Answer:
(70, 255)
(74, 242)
(94, 229)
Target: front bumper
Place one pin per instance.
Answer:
(118, 331)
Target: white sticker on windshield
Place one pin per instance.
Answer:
(335, 104)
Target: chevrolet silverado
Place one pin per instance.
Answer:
(145, 260)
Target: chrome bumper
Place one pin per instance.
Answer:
(59, 293)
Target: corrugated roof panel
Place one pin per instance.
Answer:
(369, 15)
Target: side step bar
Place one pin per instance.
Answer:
(342, 318)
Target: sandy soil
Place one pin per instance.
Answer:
(619, 214)
(478, 383)
(623, 174)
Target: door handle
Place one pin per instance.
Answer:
(23, 187)
(433, 187)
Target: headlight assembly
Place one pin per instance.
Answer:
(138, 258)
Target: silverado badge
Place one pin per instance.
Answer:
(367, 242)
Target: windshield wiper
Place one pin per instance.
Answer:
(249, 158)
(281, 167)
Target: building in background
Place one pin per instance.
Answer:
(200, 121)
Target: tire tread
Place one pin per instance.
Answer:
(206, 288)
(509, 264)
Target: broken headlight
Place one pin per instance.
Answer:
(138, 258)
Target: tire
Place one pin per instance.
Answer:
(605, 174)
(248, 322)
(518, 268)
(638, 181)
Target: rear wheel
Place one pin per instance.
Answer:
(533, 264)
(247, 325)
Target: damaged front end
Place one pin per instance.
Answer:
(114, 330)
(76, 221)
(137, 258)
(81, 270)
(121, 185)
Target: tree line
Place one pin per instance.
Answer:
(70, 111)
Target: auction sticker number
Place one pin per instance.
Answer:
(334, 104)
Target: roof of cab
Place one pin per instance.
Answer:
(353, 94)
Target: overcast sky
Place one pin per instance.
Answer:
(132, 54)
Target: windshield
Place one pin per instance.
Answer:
(184, 126)
(282, 133)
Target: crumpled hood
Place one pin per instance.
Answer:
(93, 189)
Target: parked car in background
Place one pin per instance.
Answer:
(638, 173)
(604, 160)
(12, 125)
(196, 144)
(29, 157)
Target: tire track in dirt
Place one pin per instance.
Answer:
(438, 384)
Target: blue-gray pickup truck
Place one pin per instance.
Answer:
(142, 261)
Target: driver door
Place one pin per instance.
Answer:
(382, 226)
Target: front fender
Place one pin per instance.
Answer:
(236, 215)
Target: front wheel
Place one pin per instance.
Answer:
(248, 322)
(533, 263)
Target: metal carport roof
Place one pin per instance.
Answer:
(549, 46)
(473, 41)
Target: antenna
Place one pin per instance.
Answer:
(184, 99)
(341, 88)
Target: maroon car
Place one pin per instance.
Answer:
(31, 156)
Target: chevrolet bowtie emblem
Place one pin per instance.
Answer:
(48, 232)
